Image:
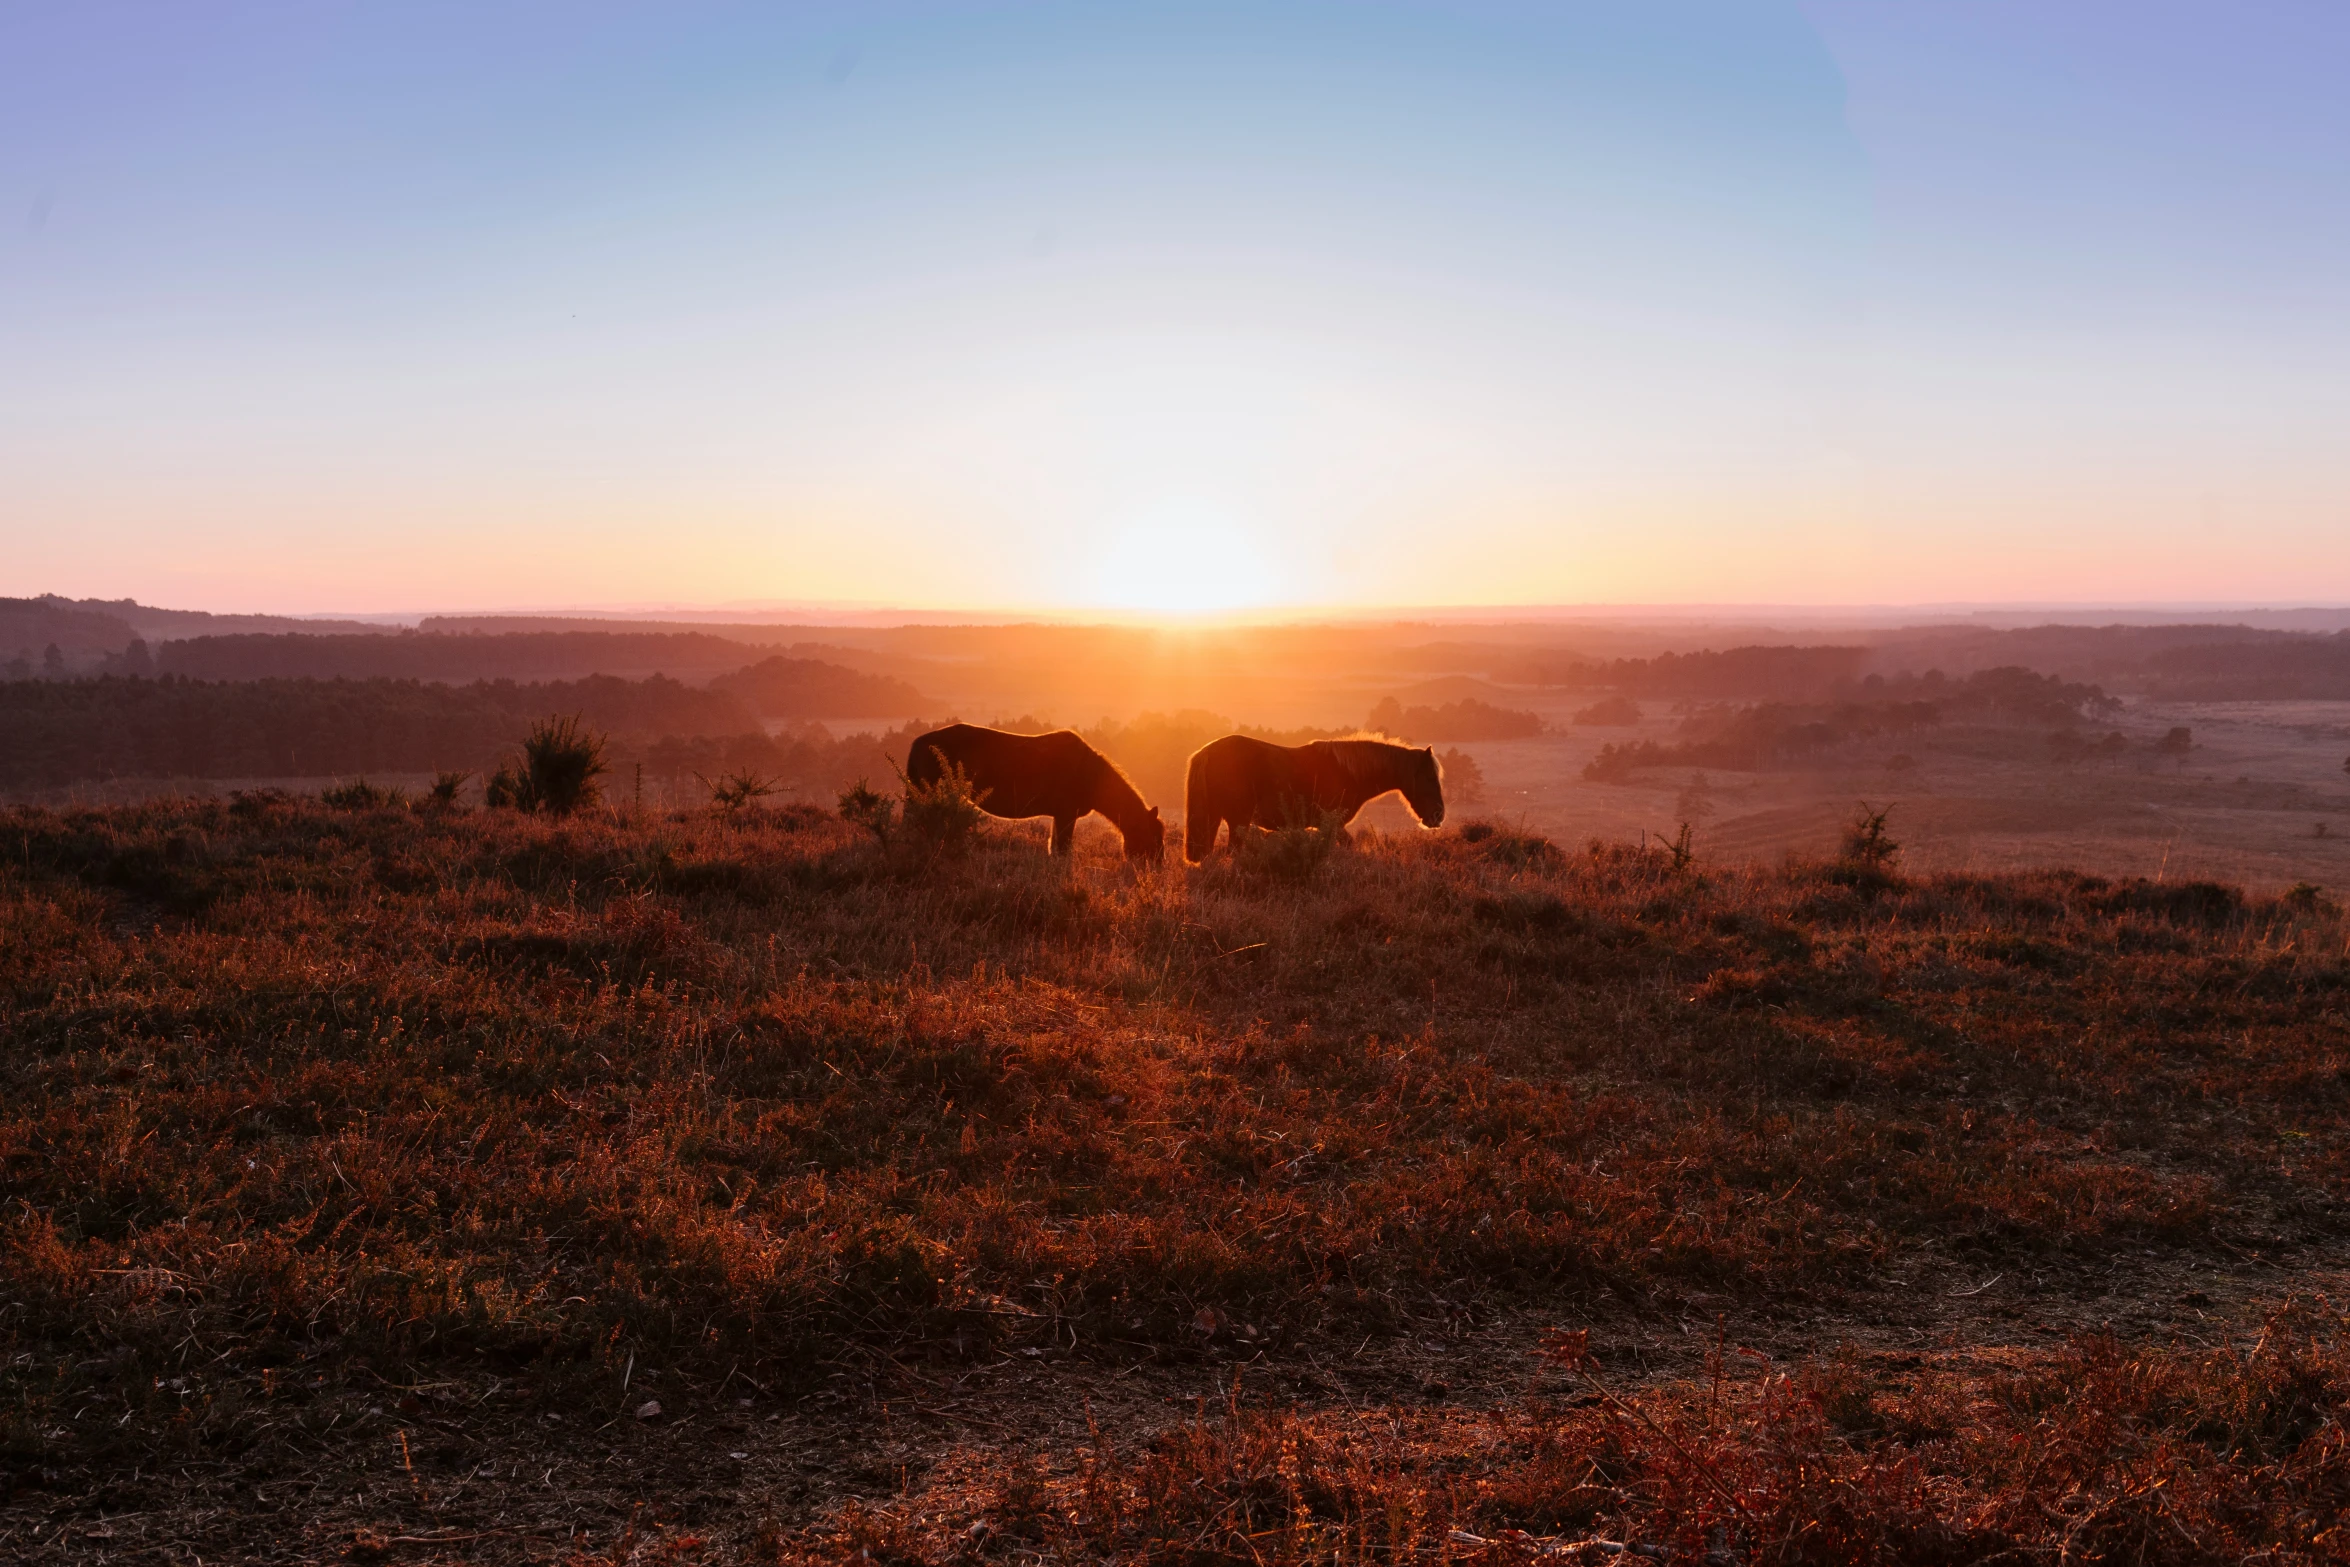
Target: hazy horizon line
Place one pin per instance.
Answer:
(874, 612)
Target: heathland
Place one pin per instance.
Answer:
(400, 1183)
(2177, 751)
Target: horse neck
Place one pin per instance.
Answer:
(1115, 798)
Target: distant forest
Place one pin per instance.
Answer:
(1774, 673)
(777, 687)
(1750, 738)
(88, 642)
(95, 689)
(1095, 668)
(2173, 663)
(525, 655)
(57, 732)
(807, 688)
(1468, 719)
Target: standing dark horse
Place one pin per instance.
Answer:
(1055, 775)
(1243, 781)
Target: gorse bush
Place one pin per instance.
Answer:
(864, 806)
(360, 795)
(447, 787)
(732, 792)
(511, 788)
(944, 814)
(563, 760)
(1866, 842)
(556, 773)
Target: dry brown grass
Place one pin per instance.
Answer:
(2092, 1453)
(515, 1117)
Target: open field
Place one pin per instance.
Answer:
(1922, 718)
(2262, 800)
(385, 1185)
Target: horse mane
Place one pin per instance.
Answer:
(1358, 755)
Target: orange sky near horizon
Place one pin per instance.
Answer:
(1175, 309)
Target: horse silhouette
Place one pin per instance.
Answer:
(1244, 781)
(1056, 775)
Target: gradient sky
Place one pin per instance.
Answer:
(377, 307)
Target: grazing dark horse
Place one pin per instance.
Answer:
(1055, 775)
(1244, 781)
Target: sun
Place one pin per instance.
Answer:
(1180, 560)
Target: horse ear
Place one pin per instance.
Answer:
(1154, 813)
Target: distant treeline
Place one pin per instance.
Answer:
(30, 627)
(2220, 662)
(2299, 668)
(59, 732)
(2177, 663)
(521, 655)
(1112, 669)
(1467, 719)
(808, 688)
(1782, 673)
(776, 687)
(1776, 734)
(86, 631)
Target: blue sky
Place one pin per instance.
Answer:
(1174, 306)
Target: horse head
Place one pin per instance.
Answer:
(1423, 787)
(1148, 841)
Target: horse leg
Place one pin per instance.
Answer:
(1064, 834)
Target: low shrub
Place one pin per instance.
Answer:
(359, 795)
(563, 759)
(1866, 843)
(511, 788)
(733, 792)
(867, 807)
(943, 816)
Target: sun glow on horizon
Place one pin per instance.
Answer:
(1180, 559)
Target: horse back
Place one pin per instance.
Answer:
(1017, 775)
(1240, 773)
